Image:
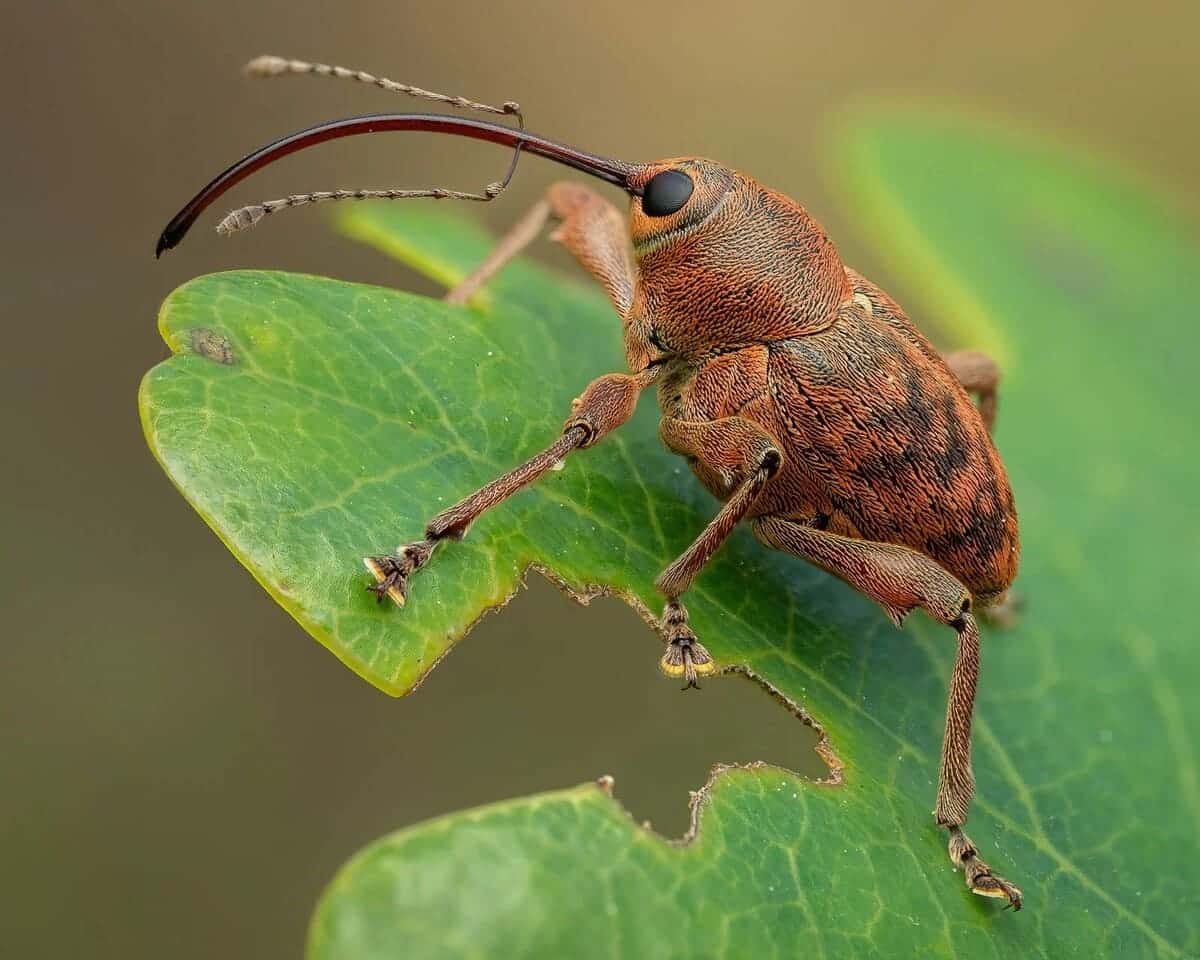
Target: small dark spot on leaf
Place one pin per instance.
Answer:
(213, 346)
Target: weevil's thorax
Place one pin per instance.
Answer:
(736, 264)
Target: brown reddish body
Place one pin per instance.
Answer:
(753, 315)
(801, 395)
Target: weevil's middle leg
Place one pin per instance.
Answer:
(901, 579)
(607, 403)
(589, 226)
(742, 449)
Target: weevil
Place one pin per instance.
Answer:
(800, 394)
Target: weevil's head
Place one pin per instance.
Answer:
(676, 202)
(724, 259)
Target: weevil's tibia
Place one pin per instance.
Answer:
(392, 573)
(956, 782)
(750, 452)
(607, 403)
(270, 66)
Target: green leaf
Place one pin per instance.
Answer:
(311, 422)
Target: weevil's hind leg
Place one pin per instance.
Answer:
(589, 226)
(607, 403)
(744, 453)
(900, 580)
(956, 783)
(979, 374)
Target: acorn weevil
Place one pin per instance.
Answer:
(801, 395)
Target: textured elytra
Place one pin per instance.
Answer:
(1084, 724)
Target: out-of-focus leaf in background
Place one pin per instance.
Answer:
(311, 421)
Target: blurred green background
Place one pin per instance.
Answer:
(181, 768)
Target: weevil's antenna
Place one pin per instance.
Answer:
(243, 218)
(616, 172)
(270, 66)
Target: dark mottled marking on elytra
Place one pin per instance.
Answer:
(950, 408)
(988, 492)
(909, 422)
(957, 454)
(917, 411)
(955, 457)
(983, 532)
(212, 346)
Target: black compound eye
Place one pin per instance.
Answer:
(665, 193)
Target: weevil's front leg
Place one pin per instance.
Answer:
(589, 226)
(744, 458)
(901, 579)
(607, 403)
(979, 374)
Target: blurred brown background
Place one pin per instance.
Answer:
(181, 768)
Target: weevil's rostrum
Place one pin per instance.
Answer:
(800, 394)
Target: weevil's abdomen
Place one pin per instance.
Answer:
(880, 442)
(888, 445)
